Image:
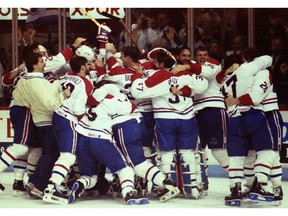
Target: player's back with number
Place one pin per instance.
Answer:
(80, 89)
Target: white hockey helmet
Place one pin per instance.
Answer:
(86, 52)
(42, 50)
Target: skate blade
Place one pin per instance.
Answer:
(141, 201)
(254, 196)
(55, 200)
(249, 201)
(170, 195)
(233, 203)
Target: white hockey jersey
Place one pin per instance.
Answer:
(74, 107)
(166, 104)
(212, 97)
(241, 81)
(98, 121)
(261, 92)
(122, 77)
(128, 108)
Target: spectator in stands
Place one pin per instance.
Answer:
(215, 50)
(183, 34)
(25, 37)
(143, 34)
(166, 34)
(279, 69)
(234, 56)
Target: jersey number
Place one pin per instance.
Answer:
(91, 115)
(231, 82)
(68, 85)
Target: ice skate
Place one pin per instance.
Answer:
(33, 192)
(76, 191)
(18, 188)
(258, 192)
(169, 191)
(234, 199)
(133, 198)
(245, 196)
(53, 194)
(278, 195)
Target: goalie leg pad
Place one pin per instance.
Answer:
(191, 187)
(202, 167)
(168, 164)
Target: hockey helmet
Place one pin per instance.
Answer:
(86, 52)
(42, 50)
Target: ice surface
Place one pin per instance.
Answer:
(106, 205)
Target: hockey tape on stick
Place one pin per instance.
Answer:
(90, 17)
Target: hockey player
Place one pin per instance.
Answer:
(97, 70)
(64, 122)
(176, 125)
(127, 131)
(121, 75)
(262, 92)
(24, 136)
(22, 120)
(247, 125)
(96, 145)
(210, 105)
(42, 97)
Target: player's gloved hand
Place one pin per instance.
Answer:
(103, 33)
(104, 29)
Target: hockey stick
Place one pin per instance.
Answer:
(123, 24)
(90, 17)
